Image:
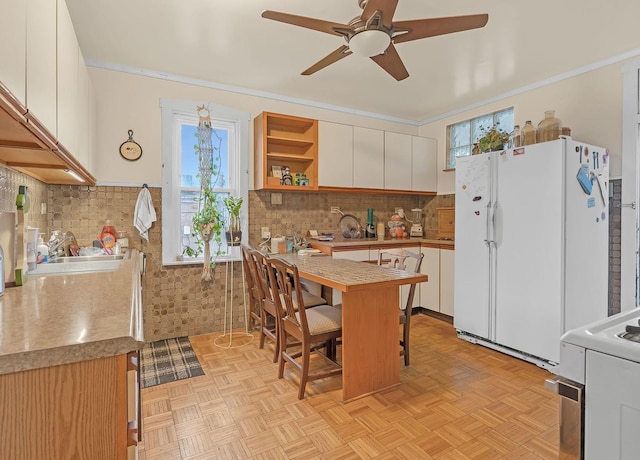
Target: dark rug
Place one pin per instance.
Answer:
(168, 360)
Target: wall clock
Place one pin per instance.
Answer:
(130, 149)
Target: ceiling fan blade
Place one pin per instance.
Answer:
(335, 56)
(391, 62)
(423, 28)
(386, 7)
(328, 27)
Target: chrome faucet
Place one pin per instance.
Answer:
(55, 245)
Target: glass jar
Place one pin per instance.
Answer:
(514, 137)
(528, 134)
(549, 127)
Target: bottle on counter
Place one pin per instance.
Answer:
(43, 251)
(370, 231)
(108, 236)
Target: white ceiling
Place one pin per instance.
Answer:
(227, 43)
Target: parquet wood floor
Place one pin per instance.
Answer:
(456, 401)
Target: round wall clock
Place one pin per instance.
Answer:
(130, 149)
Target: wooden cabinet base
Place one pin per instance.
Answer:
(76, 410)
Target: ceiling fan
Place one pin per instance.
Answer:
(373, 34)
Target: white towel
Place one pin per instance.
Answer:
(144, 215)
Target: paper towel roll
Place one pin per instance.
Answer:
(274, 244)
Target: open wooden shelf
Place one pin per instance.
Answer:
(285, 141)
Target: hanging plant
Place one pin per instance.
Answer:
(208, 221)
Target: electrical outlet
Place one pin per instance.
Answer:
(335, 210)
(266, 234)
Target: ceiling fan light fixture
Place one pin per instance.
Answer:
(369, 42)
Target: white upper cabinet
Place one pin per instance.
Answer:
(335, 155)
(368, 158)
(424, 167)
(13, 43)
(356, 157)
(68, 120)
(397, 161)
(41, 62)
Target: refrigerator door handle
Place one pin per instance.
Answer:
(487, 230)
(495, 217)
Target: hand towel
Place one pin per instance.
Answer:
(144, 215)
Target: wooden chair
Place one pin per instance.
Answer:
(268, 313)
(398, 258)
(251, 278)
(310, 327)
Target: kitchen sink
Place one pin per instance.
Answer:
(79, 264)
(81, 259)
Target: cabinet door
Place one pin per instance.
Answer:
(430, 291)
(446, 281)
(424, 167)
(335, 155)
(41, 62)
(67, 81)
(13, 26)
(368, 158)
(397, 161)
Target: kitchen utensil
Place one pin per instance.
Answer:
(416, 223)
(350, 226)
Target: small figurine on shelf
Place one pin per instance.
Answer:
(286, 179)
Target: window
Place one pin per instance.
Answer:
(461, 136)
(180, 179)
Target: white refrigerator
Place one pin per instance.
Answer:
(531, 247)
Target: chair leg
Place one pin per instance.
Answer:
(283, 350)
(263, 325)
(304, 374)
(405, 336)
(276, 344)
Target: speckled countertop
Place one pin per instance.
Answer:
(341, 242)
(65, 318)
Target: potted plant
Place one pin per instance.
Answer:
(233, 232)
(493, 139)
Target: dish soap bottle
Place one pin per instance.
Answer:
(108, 236)
(43, 251)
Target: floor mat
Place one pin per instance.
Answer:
(168, 360)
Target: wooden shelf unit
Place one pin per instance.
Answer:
(284, 140)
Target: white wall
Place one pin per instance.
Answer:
(125, 101)
(590, 104)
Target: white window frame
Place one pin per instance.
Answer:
(471, 140)
(172, 112)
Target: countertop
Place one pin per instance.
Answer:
(64, 318)
(340, 241)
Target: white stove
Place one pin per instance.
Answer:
(603, 360)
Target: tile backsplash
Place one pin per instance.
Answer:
(176, 302)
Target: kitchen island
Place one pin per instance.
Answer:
(69, 362)
(370, 299)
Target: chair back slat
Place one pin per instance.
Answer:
(285, 281)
